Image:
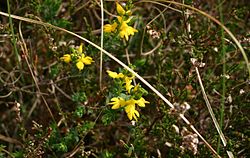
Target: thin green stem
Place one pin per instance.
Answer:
(6, 151)
(13, 39)
(223, 51)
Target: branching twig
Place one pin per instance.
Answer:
(25, 52)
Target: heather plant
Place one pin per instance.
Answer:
(124, 78)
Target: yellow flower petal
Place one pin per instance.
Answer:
(109, 27)
(125, 30)
(80, 48)
(119, 18)
(117, 102)
(80, 65)
(129, 12)
(120, 9)
(130, 102)
(113, 26)
(128, 84)
(141, 102)
(123, 34)
(130, 116)
(66, 58)
(136, 87)
(87, 60)
(136, 113)
(127, 21)
(120, 75)
(130, 110)
(114, 74)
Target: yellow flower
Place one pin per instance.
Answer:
(80, 65)
(125, 30)
(129, 105)
(117, 102)
(128, 85)
(114, 74)
(80, 48)
(66, 58)
(83, 60)
(120, 9)
(120, 19)
(86, 60)
(141, 102)
(130, 110)
(109, 27)
(136, 87)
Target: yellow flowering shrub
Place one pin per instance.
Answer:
(121, 25)
(128, 100)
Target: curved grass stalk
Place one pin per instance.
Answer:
(101, 54)
(123, 65)
(217, 126)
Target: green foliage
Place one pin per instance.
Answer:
(54, 71)
(61, 143)
(80, 111)
(93, 121)
(86, 126)
(108, 116)
(79, 97)
(48, 9)
(107, 154)
(1, 150)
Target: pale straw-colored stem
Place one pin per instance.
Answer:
(101, 54)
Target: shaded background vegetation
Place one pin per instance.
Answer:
(84, 124)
